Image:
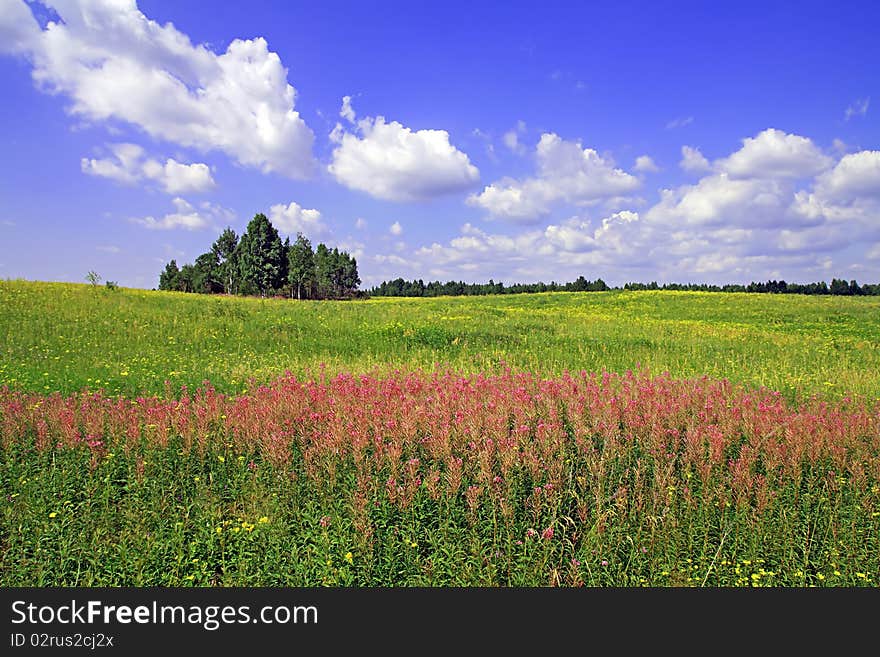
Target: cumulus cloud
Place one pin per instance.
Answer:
(187, 217)
(775, 154)
(396, 228)
(693, 161)
(566, 172)
(115, 64)
(720, 200)
(857, 175)
(644, 164)
(392, 162)
(858, 108)
(360, 223)
(129, 165)
(293, 219)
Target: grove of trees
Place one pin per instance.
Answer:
(259, 263)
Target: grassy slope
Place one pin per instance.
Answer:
(66, 337)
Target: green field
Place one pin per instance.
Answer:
(67, 337)
(565, 439)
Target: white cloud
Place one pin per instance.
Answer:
(18, 28)
(718, 200)
(178, 178)
(679, 122)
(693, 161)
(874, 253)
(565, 172)
(129, 166)
(392, 162)
(775, 154)
(115, 64)
(360, 223)
(187, 217)
(293, 219)
(858, 108)
(560, 251)
(645, 164)
(857, 175)
(396, 228)
(125, 169)
(347, 111)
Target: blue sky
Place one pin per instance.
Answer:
(514, 141)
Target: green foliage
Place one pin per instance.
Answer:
(261, 264)
(169, 279)
(224, 249)
(301, 266)
(260, 255)
(324, 271)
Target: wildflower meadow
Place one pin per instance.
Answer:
(154, 439)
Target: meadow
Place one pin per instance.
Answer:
(68, 337)
(615, 438)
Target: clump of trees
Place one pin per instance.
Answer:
(259, 263)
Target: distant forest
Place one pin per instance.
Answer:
(259, 263)
(418, 288)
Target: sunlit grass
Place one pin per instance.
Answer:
(67, 337)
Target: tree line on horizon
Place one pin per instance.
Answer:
(418, 288)
(259, 263)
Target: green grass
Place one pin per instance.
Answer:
(181, 520)
(67, 337)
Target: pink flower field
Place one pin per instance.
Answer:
(541, 473)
